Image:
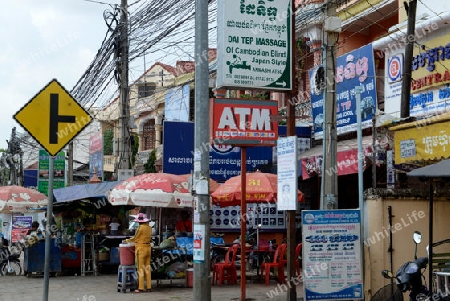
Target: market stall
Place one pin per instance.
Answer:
(84, 217)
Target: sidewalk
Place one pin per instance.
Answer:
(104, 288)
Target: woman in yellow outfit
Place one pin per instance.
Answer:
(142, 240)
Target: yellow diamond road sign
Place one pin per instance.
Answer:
(53, 117)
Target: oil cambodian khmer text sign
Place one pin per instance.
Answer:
(254, 44)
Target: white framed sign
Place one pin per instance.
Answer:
(254, 48)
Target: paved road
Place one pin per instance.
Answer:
(104, 288)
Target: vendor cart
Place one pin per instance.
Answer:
(34, 258)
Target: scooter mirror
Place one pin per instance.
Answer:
(417, 236)
(387, 274)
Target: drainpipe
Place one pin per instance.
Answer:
(390, 249)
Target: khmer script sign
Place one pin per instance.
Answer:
(254, 44)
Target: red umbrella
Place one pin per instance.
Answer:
(152, 189)
(261, 188)
(20, 199)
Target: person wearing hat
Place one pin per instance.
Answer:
(185, 224)
(142, 240)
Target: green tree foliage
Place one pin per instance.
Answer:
(149, 167)
(108, 141)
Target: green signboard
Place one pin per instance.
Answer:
(254, 44)
(59, 171)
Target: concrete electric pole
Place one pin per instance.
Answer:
(406, 76)
(332, 26)
(202, 276)
(124, 105)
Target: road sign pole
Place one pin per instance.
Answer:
(48, 230)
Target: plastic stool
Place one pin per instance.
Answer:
(126, 278)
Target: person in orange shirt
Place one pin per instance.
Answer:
(142, 240)
(185, 224)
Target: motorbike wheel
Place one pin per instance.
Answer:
(11, 269)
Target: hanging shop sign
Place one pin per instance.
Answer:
(254, 44)
(244, 122)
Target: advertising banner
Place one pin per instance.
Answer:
(265, 214)
(332, 264)
(287, 173)
(224, 160)
(317, 92)
(254, 44)
(355, 68)
(20, 226)
(96, 155)
(422, 143)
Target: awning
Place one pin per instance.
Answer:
(347, 158)
(84, 191)
(425, 139)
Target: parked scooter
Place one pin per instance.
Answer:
(409, 276)
(9, 263)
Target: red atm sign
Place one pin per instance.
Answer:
(243, 122)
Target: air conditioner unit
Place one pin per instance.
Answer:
(124, 174)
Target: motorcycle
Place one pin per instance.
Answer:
(409, 277)
(9, 262)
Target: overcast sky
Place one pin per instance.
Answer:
(42, 40)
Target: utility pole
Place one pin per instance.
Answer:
(202, 272)
(329, 177)
(290, 131)
(124, 105)
(406, 76)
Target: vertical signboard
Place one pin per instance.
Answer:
(317, 89)
(332, 254)
(96, 155)
(254, 44)
(355, 68)
(287, 173)
(59, 171)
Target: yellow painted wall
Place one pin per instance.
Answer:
(376, 255)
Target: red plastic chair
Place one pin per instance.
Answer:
(298, 251)
(226, 270)
(278, 263)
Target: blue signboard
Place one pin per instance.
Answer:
(30, 178)
(355, 68)
(332, 263)
(224, 161)
(317, 92)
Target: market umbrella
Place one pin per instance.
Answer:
(20, 199)
(261, 188)
(429, 173)
(152, 189)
